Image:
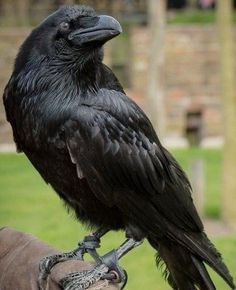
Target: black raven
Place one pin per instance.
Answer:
(99, 151)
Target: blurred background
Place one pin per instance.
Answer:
(176, 59)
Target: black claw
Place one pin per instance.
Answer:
(107, 267)
(44, 265)
(84, 279)
(111, 260)
(88, 245)
(111, 276)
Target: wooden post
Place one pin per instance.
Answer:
(226, 41)
(22, 12)
(198, 184)
(155, 80)
(8, 13)
(192, 4)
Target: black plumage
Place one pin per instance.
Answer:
(97, 148)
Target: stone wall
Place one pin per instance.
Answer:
(191, 74)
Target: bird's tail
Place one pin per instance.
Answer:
(185, 269)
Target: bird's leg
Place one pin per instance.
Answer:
(107, 268)
(87, 245)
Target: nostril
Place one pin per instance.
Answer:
(87, 22)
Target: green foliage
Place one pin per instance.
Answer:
(194, 16)
(28, 204)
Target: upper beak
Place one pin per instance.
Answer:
(105, 29)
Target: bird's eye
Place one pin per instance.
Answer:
(64, 26)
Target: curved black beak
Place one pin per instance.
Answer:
(106, 28)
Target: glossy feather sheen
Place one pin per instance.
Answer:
(100, 153)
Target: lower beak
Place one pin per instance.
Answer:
(105, 29)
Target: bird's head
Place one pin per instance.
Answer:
(73, 32)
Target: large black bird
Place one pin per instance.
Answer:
(100, 153)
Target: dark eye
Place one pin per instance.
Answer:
(64, 26)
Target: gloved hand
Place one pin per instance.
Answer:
(20, 254)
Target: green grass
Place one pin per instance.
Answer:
(28, 204)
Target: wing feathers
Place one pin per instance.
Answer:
(123, 154)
